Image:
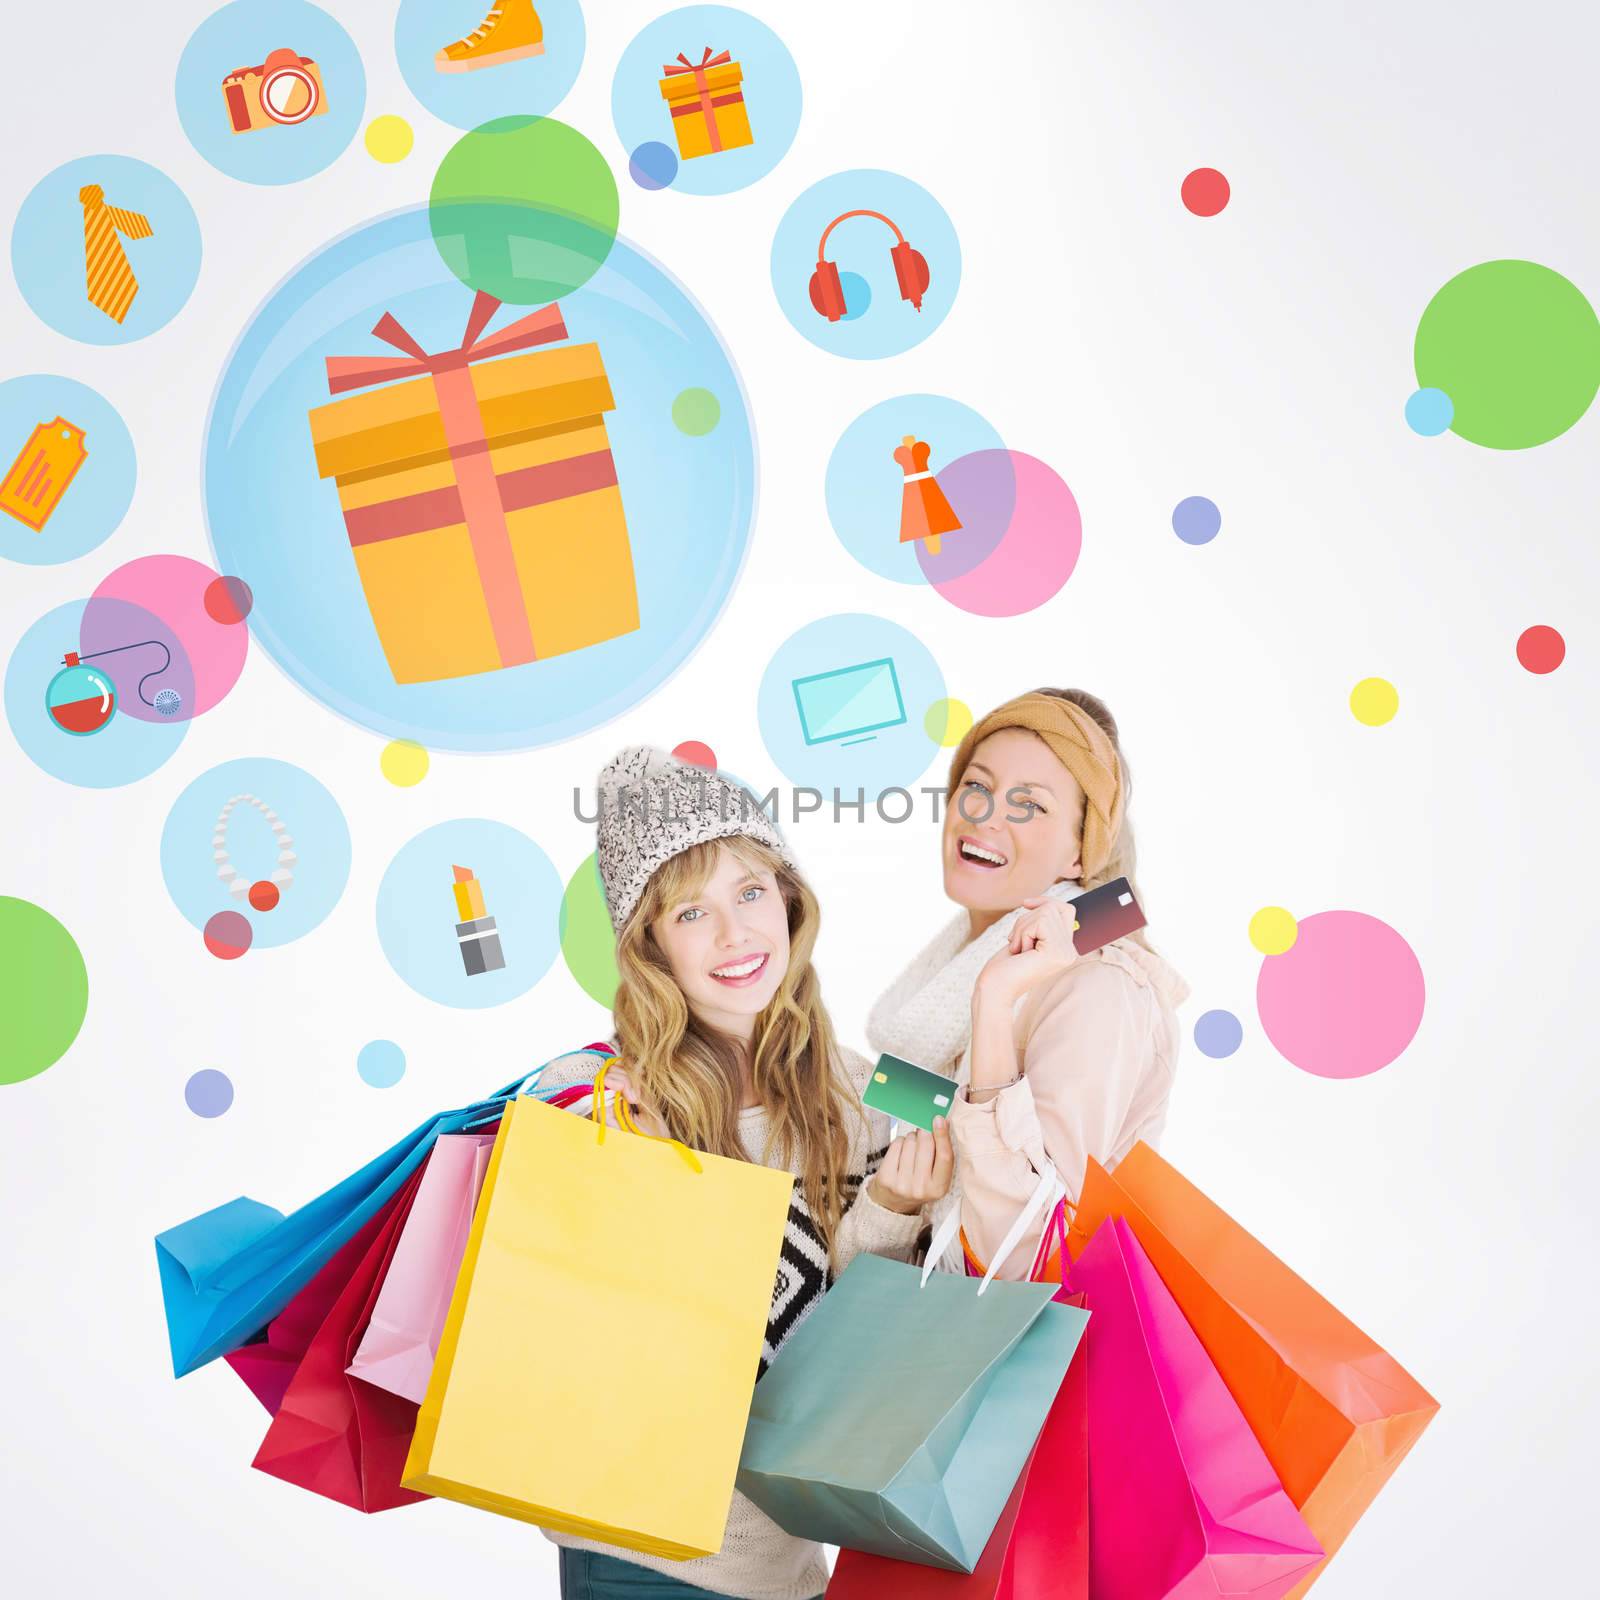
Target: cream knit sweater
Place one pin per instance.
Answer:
(758, 1560)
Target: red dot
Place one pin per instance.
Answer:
(228, 600)
(1205, 191)
(1541, 649)
(264, 894)
(228, 935)
(696, 754)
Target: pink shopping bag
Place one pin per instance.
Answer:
(396, 1352)
(1183, 1503)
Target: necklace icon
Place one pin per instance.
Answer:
(262, 893)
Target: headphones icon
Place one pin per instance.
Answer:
(910, 270)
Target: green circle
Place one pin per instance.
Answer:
(1517, 349)
(588, 942)
(696, 412)
(44, 989)
(523, 208)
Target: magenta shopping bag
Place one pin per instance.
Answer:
(396, 1352)
(1183, 1503)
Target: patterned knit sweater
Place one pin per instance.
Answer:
(758, 1560)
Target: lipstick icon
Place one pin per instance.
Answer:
(476, 931)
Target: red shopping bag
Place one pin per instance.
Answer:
(1039, 1549)
(333, 1434)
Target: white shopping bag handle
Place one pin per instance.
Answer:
(1045, 1197)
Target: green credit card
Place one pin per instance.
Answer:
(908, 1093)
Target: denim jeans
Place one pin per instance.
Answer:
(588, 1575)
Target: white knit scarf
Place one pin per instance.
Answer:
(925, 1015)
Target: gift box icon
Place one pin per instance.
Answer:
(480, 495)
(707, 104)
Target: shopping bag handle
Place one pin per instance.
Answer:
(1049, 1191)
(625, 1118)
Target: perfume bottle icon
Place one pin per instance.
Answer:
(476, 932)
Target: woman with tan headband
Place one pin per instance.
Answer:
(1061, 1057)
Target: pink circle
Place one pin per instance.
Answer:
(228, 600)
(1205, 191)
(1034, 549)
(173, 590)
(1541, 649)
(696, 754)
(1345, 1000)
(228, 935)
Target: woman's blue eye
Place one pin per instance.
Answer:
(754, 889)
(972, 783)
(691, 915)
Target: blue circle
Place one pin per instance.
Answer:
(653, 165)
(865, 485)
(1218, 1034)
(313, 820)
(208, 1093)
(381, 1063)
(689, 503)
(841, 706)
(1430, 412)
(770, 84)
(862, 246)
(239, 37)
(428, 942)
(857, 294)
(126, 749)
(526, 86)
(1196, 520)
(47, 249)
(100, 489)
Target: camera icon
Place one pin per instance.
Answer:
(284, 90)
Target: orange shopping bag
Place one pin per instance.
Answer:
(1334, 1413)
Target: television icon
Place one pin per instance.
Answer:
(849, 703)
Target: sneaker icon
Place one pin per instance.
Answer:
(512, 31)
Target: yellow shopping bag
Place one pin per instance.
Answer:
(595, 1370)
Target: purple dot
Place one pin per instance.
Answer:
(1196, 520)
(653, 165)
(1218, 1034)
(208, 1093)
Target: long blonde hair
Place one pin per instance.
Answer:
(688, 1073)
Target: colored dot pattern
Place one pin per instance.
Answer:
(1205, 192)
(588, 941)
(1429, 412)
(228, 935)
(696, 754)
(1218, 1034)
(1374, 701)
(389, 139)
(1273, 931)
(1541, 649)
(44, 990)
(404, 763)
(1196, 520)
(381, 1063)
(208, 1093)
(653, 165)
(947, 722)
(696, 412)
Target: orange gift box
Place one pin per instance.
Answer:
(480, 496)
(707, 105)
(1335, 1413)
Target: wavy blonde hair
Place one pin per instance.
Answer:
(688, 1073)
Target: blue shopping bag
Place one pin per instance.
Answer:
(228, 1272)
(899, 1415)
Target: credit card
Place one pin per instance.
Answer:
(1107, 913)
(908, 1093)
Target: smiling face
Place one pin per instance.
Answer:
(727, 945)
(1013, 827)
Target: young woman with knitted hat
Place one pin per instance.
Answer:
(1061, 1056)
(725, 1044)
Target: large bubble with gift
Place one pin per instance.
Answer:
(476, 526)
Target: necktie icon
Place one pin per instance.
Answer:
(108, 279)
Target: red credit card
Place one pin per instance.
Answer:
(1107, 913)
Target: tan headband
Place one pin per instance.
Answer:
(1081, 745)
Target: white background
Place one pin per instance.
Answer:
(1261, 359)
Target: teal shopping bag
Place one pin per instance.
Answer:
(899, 1415)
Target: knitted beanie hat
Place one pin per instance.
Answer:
(653, 807)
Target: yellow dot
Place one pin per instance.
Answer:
(1374, 701)
(1273, 930)
(389, 139)
(947, 721)
(404, 763)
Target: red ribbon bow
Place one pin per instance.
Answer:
(707, 60)
(359, 372)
